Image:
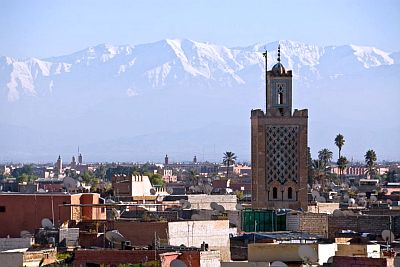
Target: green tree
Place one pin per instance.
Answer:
(370, 159)
(342, 165)
(101, 171)
(155, 178)
(339, 142)
(228, 160)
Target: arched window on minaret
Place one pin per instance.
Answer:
(275, 193)
(280, 98)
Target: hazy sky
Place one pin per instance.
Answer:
(50, 28)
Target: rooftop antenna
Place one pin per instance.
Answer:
(279, 53)
(265, 54)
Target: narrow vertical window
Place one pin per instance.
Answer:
(275, 193)
(280, 98)
(290, 193)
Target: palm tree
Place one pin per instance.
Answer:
(228, 159)
(339, 142)
(342, 165)
(370, 158)
(325, 156)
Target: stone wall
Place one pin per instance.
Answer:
(203, 201)
(194, 233)
(313, 223)
(373, 224)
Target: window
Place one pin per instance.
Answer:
(290, 193)
(275, 193)
(280, 98)
(2, 208)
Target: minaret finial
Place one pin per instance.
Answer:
(279, 53)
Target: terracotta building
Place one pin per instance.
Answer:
(279, 146)
(25, 211)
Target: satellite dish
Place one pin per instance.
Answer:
(373, 198)
(41, 190)
(170, 190)
(110, 201)
(388, 236)
(330, 259)
(385, 191)
(361, 202)
(315, 194)
(153, 191)
(337, 213)
(186, 205)
(239, 206)
(196, 217)
(25, 234)
(308, 254)
(278, 264)
(47, 224)
(346, 197)
(177, 263)
(220, 208)
(348, 213)
(213, 205)
(70, 183)
(389, 201)
(320, 199)
(207, 189)
(114, 236)
(351, 201)
(160, 198)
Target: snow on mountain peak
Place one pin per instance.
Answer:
(371, 56)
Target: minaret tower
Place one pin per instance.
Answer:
(166, 160)
(279, 145)
(59, 166)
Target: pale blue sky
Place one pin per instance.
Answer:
(51, 28)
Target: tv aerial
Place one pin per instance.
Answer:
(308, 254)
(278, 264)
(47, 223)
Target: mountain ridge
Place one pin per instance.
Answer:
(177, 85)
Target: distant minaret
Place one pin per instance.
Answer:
(73, 162)
(166, 160)
(80, 159)
(195, 159)
(59, 164)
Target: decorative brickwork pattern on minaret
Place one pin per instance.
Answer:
(279, 146)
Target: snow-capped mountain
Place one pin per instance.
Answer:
(175, 86)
